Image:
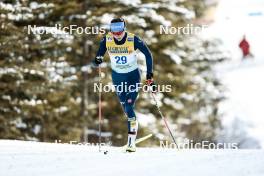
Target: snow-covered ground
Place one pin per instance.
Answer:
(42, 159)
(245, 97)
(243, 80)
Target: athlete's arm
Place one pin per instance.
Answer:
(101, 52)
(139, 44)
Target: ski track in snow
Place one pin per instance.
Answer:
(42, 159)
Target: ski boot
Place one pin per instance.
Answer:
(132, 134)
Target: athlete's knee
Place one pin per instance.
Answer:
(129, 104)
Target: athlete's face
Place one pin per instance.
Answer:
(118, 35)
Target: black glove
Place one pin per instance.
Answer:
(149, 76)
(98, 60)
(150, 82)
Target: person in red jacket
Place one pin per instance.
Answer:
(245, 47)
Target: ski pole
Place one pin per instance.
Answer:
(100, 108)
(164, 119)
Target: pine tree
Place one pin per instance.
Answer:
(46, 88)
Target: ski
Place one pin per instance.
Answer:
(143, 138)
(139, 140)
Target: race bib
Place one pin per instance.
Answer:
(123, 57)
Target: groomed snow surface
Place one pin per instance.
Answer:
(47, 159)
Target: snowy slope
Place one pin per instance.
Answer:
(245, 97)
(42, 159)
(243, 80)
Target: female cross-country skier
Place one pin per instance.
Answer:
(121, 47)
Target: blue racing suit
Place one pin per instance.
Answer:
(119, 74)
